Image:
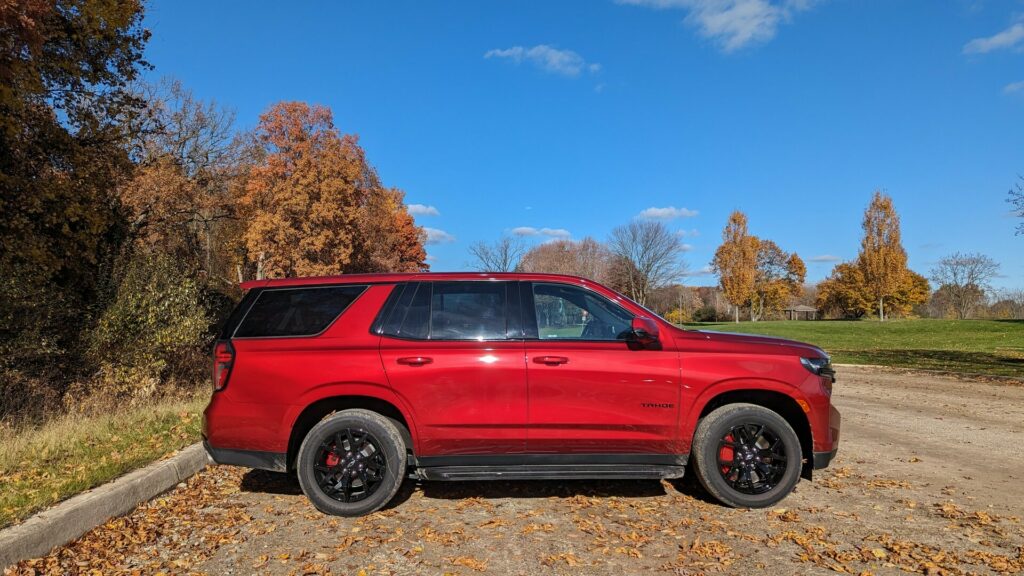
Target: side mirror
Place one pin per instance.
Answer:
(644, 331)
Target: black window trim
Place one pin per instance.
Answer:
(365, 287)
(389, 307)
(530, 313)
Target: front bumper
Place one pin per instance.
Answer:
(823, 459)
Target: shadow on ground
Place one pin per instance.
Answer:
(1005, 361)
(265, 482)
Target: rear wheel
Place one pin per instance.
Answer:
(351, 463)
(747, 456)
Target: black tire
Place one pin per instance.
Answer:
(351, 463)
(757, 476)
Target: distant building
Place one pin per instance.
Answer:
(801, 312)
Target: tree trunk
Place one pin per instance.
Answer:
(737, 310)
(881, 309)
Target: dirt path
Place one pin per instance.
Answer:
(929, 479)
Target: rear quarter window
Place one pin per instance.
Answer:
(296, 311)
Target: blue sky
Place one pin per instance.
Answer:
(568, 118)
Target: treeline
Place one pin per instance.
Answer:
(130, 212)
(758, 280)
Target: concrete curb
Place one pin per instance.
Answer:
(70, 519)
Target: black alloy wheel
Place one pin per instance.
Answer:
(350, 465)
(352, 462)
(746, 456)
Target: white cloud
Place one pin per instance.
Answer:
(549, 232)
(1006, 39)
(686, 247)
(1014, 87)
(423, 210)
(824, 258)
(547, 58)
(438, 236)
(667, 213)
(733, 24)
(705, 271)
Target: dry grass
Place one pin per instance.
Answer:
(42, 465)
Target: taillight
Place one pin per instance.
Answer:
(223, 358)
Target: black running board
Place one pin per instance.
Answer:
(550, 472)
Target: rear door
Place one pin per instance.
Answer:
(590, 391)
(454, 352)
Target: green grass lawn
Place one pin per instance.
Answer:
(992, 347)
(42, 465)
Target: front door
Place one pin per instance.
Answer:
(448, 351)
(590, 392)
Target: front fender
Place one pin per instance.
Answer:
(708, 394)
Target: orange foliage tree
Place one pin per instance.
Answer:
(314, 206)
(735, 262)
(882, 259)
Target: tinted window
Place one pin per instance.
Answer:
(296, 311)
(571, 313)
(467, 311)
(416, 323)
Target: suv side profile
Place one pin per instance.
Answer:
(355, 382)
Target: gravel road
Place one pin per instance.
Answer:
(929, 479)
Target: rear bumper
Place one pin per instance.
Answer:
(823, 459)
(275, 461)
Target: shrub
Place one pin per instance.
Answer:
(677, 316)
(705, 314)
(154, 326)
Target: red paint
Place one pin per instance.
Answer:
(506, 397)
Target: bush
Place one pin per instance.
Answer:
(677, 316)
(151, 332)
(705, 314)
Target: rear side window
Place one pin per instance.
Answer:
(467, 311)
(296, 311)
(450, 311)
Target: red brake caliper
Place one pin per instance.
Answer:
(332, 459)
(726, 453)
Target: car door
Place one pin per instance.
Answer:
(590, 391)
(454, 352)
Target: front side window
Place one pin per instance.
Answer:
(296, 311)
(571, 313)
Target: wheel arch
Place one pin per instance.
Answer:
(319, 409)
(778, 401)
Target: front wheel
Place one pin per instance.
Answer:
(351, 463)
(747, 456)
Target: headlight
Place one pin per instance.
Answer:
(819, 366)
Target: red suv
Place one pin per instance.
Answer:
(355, 382)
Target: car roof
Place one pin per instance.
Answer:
(409, 277)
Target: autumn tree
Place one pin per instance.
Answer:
(735, 262)
(964, 280)
(846, 294)
(587, 258)
(646, 256)
(503, 255)
(389, 239)
(179, 199)
(778, 276)
(882, 259)
(302, 199)
(65, 66)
